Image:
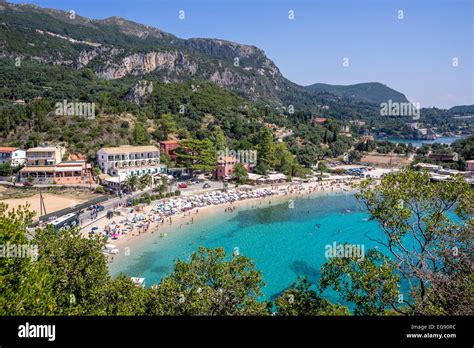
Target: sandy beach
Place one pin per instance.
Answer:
(172, 224)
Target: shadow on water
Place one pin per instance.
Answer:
(304, 269)
(313, 207)
(162, 270)
(144, 262)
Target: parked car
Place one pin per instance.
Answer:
(28, 184)
(182, 185)
(206, 185)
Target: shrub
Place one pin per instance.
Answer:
(99, 189)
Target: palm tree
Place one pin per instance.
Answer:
(164, 184)
(131, 182)
(144, 181)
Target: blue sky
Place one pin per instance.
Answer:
(413, 55)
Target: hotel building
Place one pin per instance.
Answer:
(124, 161)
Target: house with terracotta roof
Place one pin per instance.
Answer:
(73, 172)
(319, 120)
(168, 147)
(14, 155)
(225, 166)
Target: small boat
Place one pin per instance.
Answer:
(138, 281)
(110, 249)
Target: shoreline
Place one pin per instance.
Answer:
(299, 191)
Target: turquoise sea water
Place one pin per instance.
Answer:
(284, 242)
(419, 143)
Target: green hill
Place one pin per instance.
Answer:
(372, 92)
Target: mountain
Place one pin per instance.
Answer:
(462, 109)
(116, 48)
(372, 92)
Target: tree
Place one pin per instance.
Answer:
(300, 299)
(76, 265)
(355, 156)
(140, 135)
(24, 288)
(284, 159)
(6, 169)
(266, 148)
(261, 168)
(195, 154)
(415, 215)
(307, 155)
(218, 139)
(166, 125)
(240, 173)
(88, 74)
(144, 181)
(99, 189)
(209, 285)
(131, 182)
(450, 291)
(96, 171)
(369, 283)
(123, 297)
(322, 167)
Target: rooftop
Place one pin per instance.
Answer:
(7, 149)
(43, 149)
(129, 149)
(35, 169)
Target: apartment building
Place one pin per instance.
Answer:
(124, 161)
(40, 164)
(44, 165)
(14, 155)
(44, 156)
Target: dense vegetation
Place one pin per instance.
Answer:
(69, 276)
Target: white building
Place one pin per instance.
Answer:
(14, 155)
(124, 161)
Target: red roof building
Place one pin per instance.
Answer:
(168, 147)
(319, 119)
